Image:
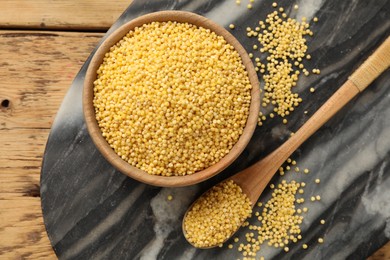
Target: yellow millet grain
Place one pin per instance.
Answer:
(283, 42)
(172, 98)
(279, 221)
(216, 215)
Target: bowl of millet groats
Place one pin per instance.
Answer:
(171, 98)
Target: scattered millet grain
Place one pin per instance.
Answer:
(312, 90)
(279, 221)
(216, 215)
(293, 162)
(231, 26)
(322, 221)
(283, 42)
(320, 240)
(170, 106)
(317, 181)
(249, 6)
(170, 197)
(316, 71)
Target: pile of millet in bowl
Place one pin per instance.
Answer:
(172, 98)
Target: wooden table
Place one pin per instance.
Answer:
(43, 45)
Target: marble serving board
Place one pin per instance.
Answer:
(92, 211)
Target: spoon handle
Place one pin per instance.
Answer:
(255, 178)
(378, 62)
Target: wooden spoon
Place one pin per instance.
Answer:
(254, 179)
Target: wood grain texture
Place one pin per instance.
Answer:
(382, 254)
(378, 62)
(61, 14)
(37, 68)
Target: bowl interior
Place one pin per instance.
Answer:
(110, 154)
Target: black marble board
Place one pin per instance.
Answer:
(91, 211)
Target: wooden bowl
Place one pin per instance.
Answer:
(110, 154)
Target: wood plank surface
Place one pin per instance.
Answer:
(61, 14)
(382, 254)
(36, 69)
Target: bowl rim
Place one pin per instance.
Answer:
(110, 155)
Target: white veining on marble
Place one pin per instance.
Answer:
(167, 216)
(308, 8)
(387, 229)
(73, 101)
(188, 254)
(233, 11)
(378, 201)
(115, 216)
(344, 169)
